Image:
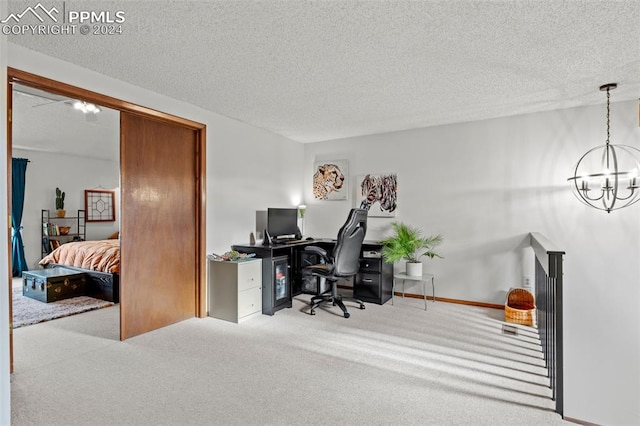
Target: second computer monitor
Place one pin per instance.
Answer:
(282, 222)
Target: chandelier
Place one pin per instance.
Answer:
(606, 177)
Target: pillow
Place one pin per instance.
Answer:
(114, 236)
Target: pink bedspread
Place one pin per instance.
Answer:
(103, 255)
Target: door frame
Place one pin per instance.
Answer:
(33, 80)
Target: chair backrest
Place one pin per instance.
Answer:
(346, 254)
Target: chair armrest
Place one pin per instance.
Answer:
(319, 251)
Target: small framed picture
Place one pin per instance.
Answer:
(331, 180)
(100, 205)
(378, 193)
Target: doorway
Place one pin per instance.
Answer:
(139, 312)
(57, 145)
(67, 149)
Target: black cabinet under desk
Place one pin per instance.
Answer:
(374, 281)
(372, 284)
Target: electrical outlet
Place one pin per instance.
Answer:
(526, 281)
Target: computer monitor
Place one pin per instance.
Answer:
(282, 222)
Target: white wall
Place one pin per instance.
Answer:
(73, 175)
(485, 185)
(5, 391)
(248, 169)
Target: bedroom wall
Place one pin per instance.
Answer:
(485, 185)
(73, 175)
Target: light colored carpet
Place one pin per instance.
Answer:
(386, 365)
(27, 311)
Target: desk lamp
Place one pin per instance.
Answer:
(301, 209)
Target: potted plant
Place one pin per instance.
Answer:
(408, 243)
(60, 203)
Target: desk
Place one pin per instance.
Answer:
(372, 284)
(424, 278)
(279, 272)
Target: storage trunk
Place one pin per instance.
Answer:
(49, 285)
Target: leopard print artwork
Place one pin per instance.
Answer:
(327, 178)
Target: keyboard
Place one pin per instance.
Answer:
(286, 241)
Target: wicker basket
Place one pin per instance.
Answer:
(520, 307)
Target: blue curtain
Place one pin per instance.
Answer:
(19, 169)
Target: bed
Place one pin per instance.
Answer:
(100, 260)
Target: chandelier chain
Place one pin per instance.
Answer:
(608, 111)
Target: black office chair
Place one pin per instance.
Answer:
(344, 261)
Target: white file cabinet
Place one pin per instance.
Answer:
(235, 289)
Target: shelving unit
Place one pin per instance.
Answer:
(51, 224)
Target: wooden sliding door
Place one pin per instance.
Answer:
(159, 230)
(162, 226)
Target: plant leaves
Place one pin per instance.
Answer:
(407, 243)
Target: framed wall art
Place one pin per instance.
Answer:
(100, 205)
(331, 180)
(378, 193)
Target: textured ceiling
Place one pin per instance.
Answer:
(48, 123)
(318, 70)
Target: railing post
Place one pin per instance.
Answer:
(555, 266)
(548, 279)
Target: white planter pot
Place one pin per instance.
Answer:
(414, 269)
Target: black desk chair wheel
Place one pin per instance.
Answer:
(344, 262)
